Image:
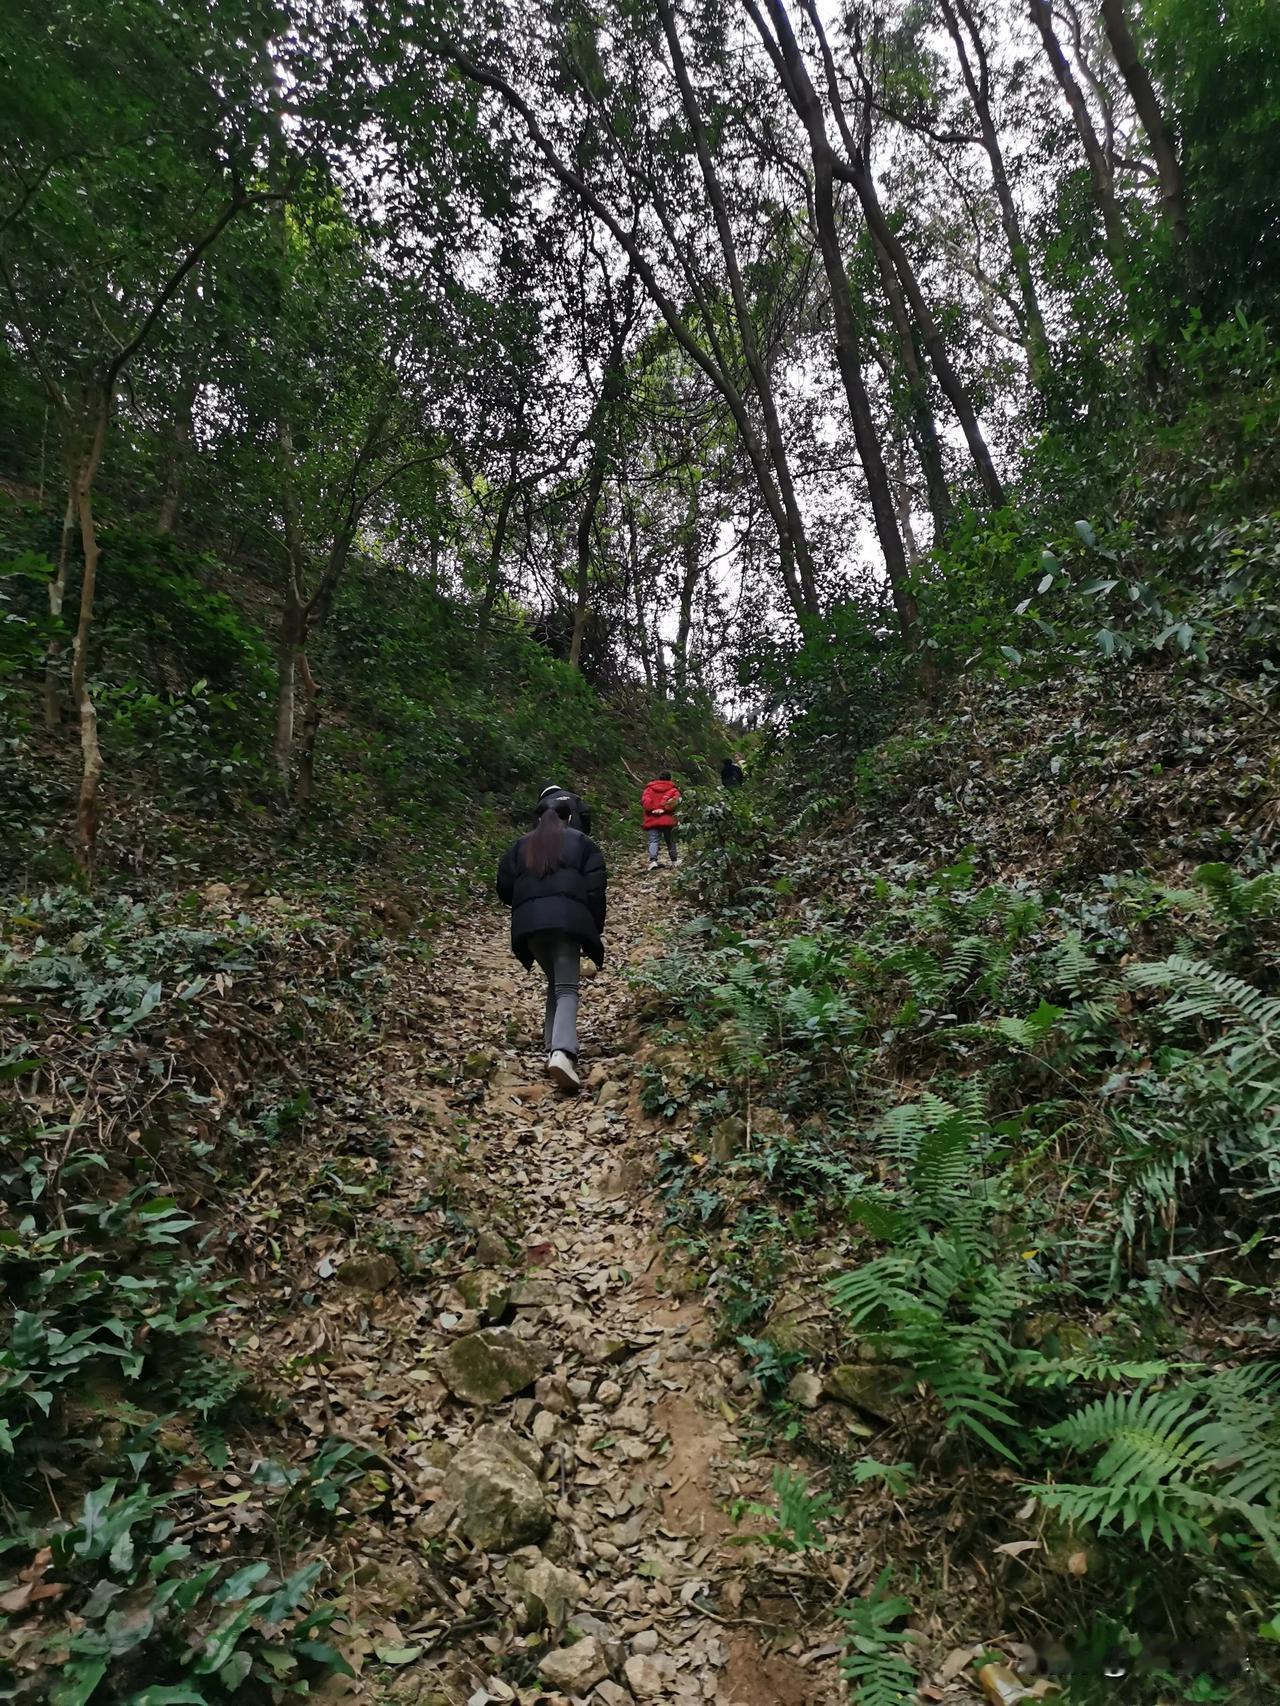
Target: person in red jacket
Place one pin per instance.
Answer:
(660, 800)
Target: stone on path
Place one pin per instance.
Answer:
(491, 1249)
(486, 1291)
(494, 1483)
(871, 1387)
(546, 1593)
(805, 1389)
(368, 1273)
(649, 1674)
(493, 1364)
(576, 1668)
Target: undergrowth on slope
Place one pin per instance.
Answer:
(131, 1566)
(978, 1023)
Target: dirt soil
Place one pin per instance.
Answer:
(634, 1420)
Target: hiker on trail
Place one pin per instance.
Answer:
(579, 811)
(554, 882)
(660, 800)
(731, 773)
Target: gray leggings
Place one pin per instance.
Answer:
(669, 835)
(560, 957)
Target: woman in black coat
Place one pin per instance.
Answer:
(554, 882)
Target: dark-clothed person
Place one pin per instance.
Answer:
(731, 774)
(554, 881)
(579, 811)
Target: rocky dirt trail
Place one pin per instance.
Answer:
(549, 1516)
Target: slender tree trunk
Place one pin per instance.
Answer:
(293, 620)
(97, 414)
(903, 488)
(586, 522)
(848, 354)
(742, 312)
(57, 594)
(1104, 193)
(671, 312)
(634, 593)
(179, 451)
(309, 731)
(925, 430)
(1173, 202)
(924, 426)
(979, 86)
(858, 172)
(496, 546)
(690, 550)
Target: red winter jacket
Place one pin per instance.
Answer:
(659, 801)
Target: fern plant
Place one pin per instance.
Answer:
(795, 1522)
(1174, 1460)
(943, 1299)
(874, 1665)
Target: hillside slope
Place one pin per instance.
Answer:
(978, 1027)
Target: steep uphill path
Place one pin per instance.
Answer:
(556, 1439)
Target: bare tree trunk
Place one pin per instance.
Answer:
(848, 354)
(587, 521)
(1173, 202)
(925, 431)
(636, 591)
(293, 620)
(179, 450)
(857, 171)
(310, 729)
(57, 593)
(742, 312)
(1104, 192)
(97, 412)
(924, 426)
(979, 87)
(496, 548)
(903, 487)
(671, 312)
(691, 552)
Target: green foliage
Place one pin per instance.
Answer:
(795, 1524)
(1176, 1459)
(873, 1663)
(162, 1623)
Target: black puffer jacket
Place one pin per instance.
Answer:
(579, 811)
(571, 898)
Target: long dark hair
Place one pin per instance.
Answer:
(543, 850)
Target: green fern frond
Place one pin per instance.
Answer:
(1201, 991)
(964, 959)
(873, 1664)
(1147, 1435)
(1241, 1435)
(799, 1511)
(1175, 1459)
(1048, 1374)
(1236, 901)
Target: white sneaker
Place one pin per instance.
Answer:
(562, 1071)
(653, 864)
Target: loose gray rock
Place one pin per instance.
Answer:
(546, 1594)
(491, 1249)
(649, 1674)
(872, 1388)
(493, 1481)
(577, 1668)
(368, 1273)
(493, 1364)
(805, 1389)
(487, 1292)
